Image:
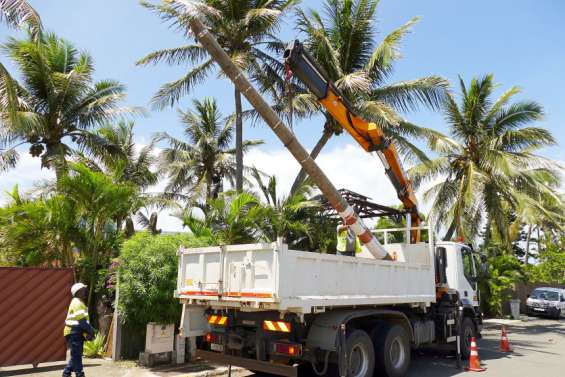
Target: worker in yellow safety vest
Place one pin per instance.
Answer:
(77, 329)
(347, 242)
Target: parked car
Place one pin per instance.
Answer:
(546, 301)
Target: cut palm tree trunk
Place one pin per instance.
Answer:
(285, 135)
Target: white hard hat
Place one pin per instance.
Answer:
(76, 287)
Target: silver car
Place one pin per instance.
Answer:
(546, 301)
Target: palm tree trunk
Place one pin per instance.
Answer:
(238, 142)
(326, 136)
(528, 245)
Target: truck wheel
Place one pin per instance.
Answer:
(392, 349)
(467, 332)
(360, 354)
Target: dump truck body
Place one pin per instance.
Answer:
(273, 277)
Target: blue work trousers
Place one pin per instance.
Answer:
(75, 343)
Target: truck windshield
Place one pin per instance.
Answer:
(541, 294)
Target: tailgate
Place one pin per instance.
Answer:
(232, 273)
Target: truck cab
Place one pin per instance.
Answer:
(462, 270)
(463, 266)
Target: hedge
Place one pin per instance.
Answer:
(148, 274)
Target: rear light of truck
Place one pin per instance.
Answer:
(210, 337)
(288, 349)
(218, 320)
(279, 326)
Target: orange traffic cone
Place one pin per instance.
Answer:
(504, 344)
(474, 362)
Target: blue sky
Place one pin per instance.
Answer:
(519, 41)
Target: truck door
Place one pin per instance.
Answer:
(468, 279)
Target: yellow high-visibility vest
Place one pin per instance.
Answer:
(77, 311)
(342, 242)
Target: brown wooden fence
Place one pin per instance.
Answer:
(33, 307)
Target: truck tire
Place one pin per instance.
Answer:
(392, 351)
(467, 332)
(360, 354)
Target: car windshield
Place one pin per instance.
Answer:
(545, 295)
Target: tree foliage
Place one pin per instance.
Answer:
(489, 165)
(56, 103)
(148, 277)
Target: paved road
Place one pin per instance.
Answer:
(539, 351)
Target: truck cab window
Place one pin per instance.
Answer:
(468, 266)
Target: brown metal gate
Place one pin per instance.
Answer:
(33, 307)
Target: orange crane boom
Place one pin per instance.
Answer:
(367, 134)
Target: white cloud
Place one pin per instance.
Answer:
(25, 175)
(347, 167)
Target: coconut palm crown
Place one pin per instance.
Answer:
(55, 104)
(245, 29)
(489, 164)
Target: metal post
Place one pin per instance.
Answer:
(117, 325)
(408, 226)
(458, 337)
(285, 135)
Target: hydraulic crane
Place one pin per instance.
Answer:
(367, 134)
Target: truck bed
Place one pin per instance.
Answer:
(272, 277)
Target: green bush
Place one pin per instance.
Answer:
(148, 275)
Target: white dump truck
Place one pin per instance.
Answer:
(267, 308)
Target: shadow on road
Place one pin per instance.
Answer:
(38, 370)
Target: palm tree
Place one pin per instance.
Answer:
(98, 203)
(232, 218)
(489, 165)
(532, 212)
(245, 29)
(19, 12)
(343, 44)
(201, 164)
(285, 216)
(55, 102)
(131, 165)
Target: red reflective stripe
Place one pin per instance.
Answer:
(199, 293)
(249, 294)
(228, 294)
(366, 237)
(350, 220)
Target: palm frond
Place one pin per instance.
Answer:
(379, 65)
(409, 95)
(19, 12)
(192, 54)
(170, 93)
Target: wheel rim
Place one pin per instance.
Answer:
(359, 361)
(397, 353)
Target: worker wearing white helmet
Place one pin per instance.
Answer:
(77, 329)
